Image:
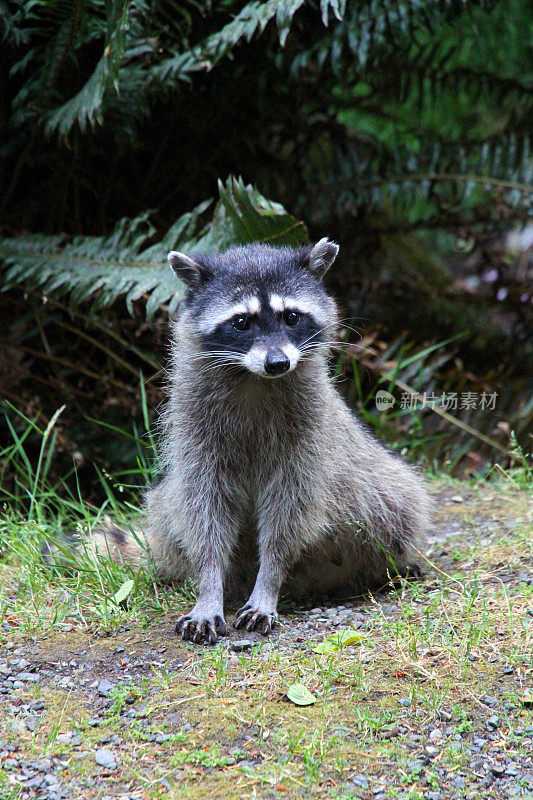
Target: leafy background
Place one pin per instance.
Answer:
(401, 129)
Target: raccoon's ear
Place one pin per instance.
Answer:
(191, 272)
(321, 257)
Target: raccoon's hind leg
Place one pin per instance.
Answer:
(389, 518)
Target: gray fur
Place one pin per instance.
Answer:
(275, 470)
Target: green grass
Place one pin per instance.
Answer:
(427, 654)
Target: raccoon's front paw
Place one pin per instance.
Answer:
(255, 619)
(200, 627)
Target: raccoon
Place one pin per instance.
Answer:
(262, 459)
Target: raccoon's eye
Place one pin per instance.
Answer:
(291, 318)
(241, 323)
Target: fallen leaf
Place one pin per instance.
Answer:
(300, 695)
(339, 639)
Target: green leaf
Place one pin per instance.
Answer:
(338, 640)
(123, 592)
(243, 215)
(106, 268)
(300, 695)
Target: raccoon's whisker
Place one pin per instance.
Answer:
(224, 360)
(321, 330)
(313, 346)
(342, 323)
(218, 362)
(351, 345)
(212, 361)
(314, 335)
(327, 343)
(362, 319)
(215, 365)
(206, 354)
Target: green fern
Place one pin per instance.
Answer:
(435, 183)
(127, 264)
(85, 107)
(368, 30)
(419, 108)
(138, 56)
(250, 21)
(132, 33)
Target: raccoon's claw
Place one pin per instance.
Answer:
(411, 572)
(201, 630)
(255, 620)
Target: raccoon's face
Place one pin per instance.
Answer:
(259, 308)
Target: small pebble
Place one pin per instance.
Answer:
(360, 781)
(489, 700)
(35, 783)
(105, 758)
(32, 723)
(241, 644)
(28, 677)
(104, 687)
(20, 663)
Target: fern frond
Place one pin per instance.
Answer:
(85, 107)
(369, 28)
(251, 20)
(437, 182)
(243, 215)
(124, 264)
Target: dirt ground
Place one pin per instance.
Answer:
(433, 698)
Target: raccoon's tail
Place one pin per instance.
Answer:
(109, 540)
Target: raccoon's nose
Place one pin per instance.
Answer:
(276, 362)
